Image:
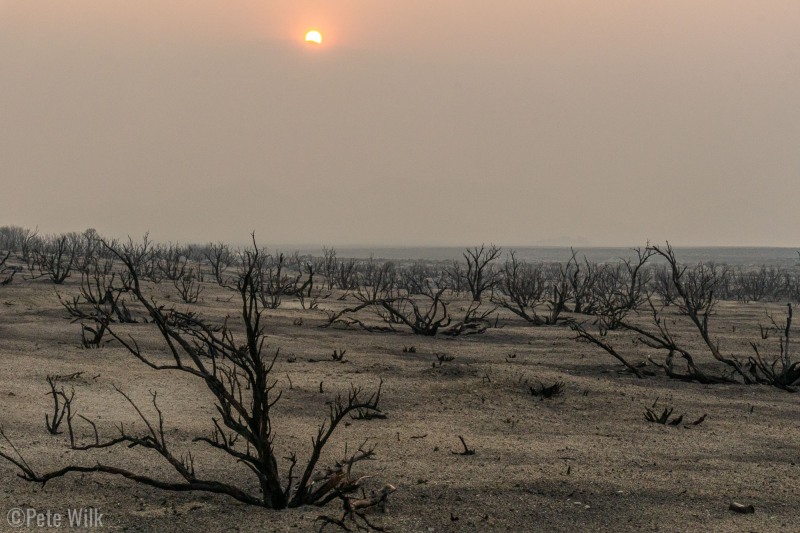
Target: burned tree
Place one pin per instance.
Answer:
(328, 265)
(346, 276)
(662, 285)
(189, 287)
(275, 282)
(415, 278)
(622, 287)
(57, 257)
(696, 298)
(426, 314)
(3, 268)
(779, 370)
(601, 340)
(90, 248)
(558, 293)
(29, 241)
(384, 302)
(62, 406)
(521, 289)
(12, 237)
(98, 303)
(238, 374)
(582, 279)
(479, 275)
(306, 294)
(220, 258)
(172, 261)
(754, 285)
(474, 321)
(455, 278)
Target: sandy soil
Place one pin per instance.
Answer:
(584, 461)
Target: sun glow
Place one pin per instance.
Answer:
(314, 36)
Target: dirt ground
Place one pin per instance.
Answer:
(585, 460)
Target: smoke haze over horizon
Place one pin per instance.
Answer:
(415, 124)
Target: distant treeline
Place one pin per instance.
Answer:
(579, 281)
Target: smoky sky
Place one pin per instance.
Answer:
(416, 123)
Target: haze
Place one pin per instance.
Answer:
(415, 123)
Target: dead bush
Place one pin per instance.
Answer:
(239, 375)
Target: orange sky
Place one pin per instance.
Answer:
(507, 121)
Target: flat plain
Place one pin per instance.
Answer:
(584, 460)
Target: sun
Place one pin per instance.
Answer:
(314, 36)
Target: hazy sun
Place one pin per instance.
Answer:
(314, 37)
